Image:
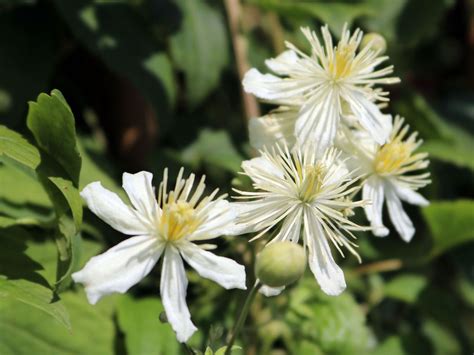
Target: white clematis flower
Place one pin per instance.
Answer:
(390, 169)
(309, 195)
(323, 83)
(169, 226)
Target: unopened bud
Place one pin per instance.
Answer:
(376, 41)
(280, 264)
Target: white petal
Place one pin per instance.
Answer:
(410, 196)
(398, 216)
(318, 119)
(226, 272)
(271, 291)
(111, 209)
(275, 128)
(284, 63)
(119, 268)
(261, 166)
(271, 87)
(140, 191)
(173, 287)
(221, 216)
(370, 116)
(328, 274)
(373, 191)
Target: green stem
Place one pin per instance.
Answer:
(243, 316)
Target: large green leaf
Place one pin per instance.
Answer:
(14, 146)
(25, 331)
(52, 123)
(451, 223)
(200, 48)
(144, 333)
(21, 282)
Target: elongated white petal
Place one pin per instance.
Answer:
(112, 210)
(318, 120)
(271, 87)
(284, 63)
(410, 196)
(173, 287)
(271, 291)
(398, 216)
(221, 220)
(373, 191)
(226, 272)
(369, 116)
(260, 168)
(119, 268)
(328, 274)
(140, 191)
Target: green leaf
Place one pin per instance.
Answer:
(451, 224)
(35, 295)
(21, 188)
(26, 331)
(335, 324)
(52, 123)
(200, 48)
(13, 145)
(406, 287)
(213, 148)
(20, 281)
(71, 194)
(335, 14)
(144, 333)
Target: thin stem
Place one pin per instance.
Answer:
(243, 316)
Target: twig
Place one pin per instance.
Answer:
(239, 44)
(379, 266)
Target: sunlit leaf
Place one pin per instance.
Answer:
(144, 333)
(52, 123)
(13, 145)
(27, 331)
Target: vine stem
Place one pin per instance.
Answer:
(242, 316)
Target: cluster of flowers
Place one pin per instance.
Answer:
(325, 142)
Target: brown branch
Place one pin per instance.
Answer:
(379, 266)
(240, 46)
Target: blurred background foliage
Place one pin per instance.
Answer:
(146, 84)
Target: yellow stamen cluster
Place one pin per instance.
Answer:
(177, 220)
(312, 181)
(340, 66)
(396, 156)
(181, 210)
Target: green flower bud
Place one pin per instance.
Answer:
(378, 42)
(280, 264)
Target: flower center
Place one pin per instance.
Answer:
(312, 182)
(341, 63)
(391, 156)
(178, 219)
